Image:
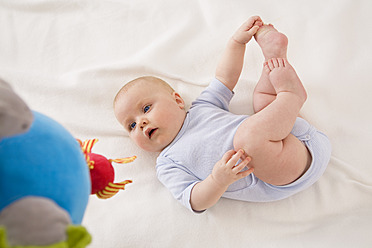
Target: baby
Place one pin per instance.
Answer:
(207, 152)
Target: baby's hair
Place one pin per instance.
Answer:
(144, 79)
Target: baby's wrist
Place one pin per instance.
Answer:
(237, 41)
(218, 183)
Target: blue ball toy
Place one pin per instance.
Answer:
(45, 161)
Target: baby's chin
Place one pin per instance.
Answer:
(153, 148)
(158, 144)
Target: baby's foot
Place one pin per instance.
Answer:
(284, 78)
(273, 43)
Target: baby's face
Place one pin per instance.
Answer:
(152, 115)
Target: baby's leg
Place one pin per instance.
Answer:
(278, 157)
(264, 93)
(273, 45)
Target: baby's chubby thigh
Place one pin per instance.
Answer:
(248, 138)
(274, 162)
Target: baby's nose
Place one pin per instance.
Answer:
(143, 123)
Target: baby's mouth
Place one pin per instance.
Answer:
(150, 132)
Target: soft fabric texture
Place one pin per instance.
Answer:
(206, 135)
(67, 59)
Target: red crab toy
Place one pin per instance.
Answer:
(101, 171)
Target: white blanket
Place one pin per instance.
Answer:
(68, 59)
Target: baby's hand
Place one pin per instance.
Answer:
(226, 172)
(247, 30)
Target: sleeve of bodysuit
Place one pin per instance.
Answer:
(216, 94)
(177, 179)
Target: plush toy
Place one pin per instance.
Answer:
(15, 116)
(101, 171)
(44, 179)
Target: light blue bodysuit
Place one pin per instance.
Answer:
(207, 134)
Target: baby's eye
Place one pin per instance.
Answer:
(132, 125)
(146, 108)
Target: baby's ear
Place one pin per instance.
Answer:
(179, 100)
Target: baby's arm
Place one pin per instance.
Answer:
(206, 193)
(231, 64)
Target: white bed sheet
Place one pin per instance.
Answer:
(68, 59)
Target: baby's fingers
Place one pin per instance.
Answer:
(254, 20)
(236, 169)
(245, 173)
(227, 156)
(253, 30)
(235, 158)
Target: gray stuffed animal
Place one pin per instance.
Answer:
(15, 115)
